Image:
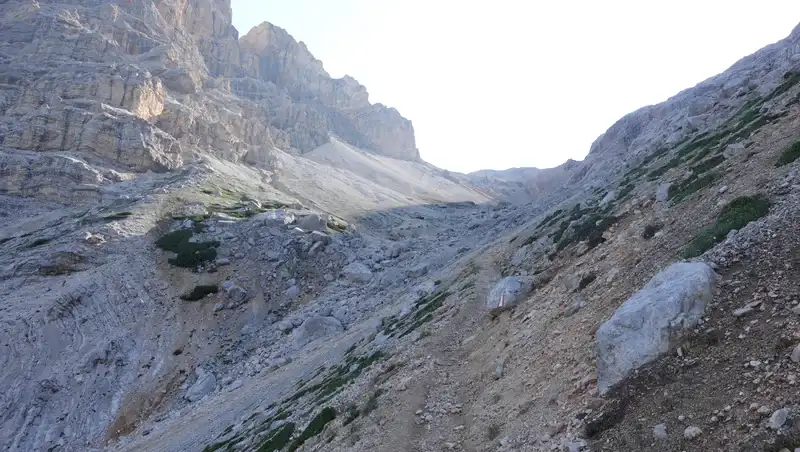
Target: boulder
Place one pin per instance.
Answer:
(509, 291)
(206, 384)
(357, 272)
(274, 218)
(608, 198)
(418, 270)
(312, 222)
(292, 292)
(647, 325)
(234, 293)
(314, 328)
(320, 237)
(733, 150)
(662, 192)
(392, 276)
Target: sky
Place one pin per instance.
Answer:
(515, 83)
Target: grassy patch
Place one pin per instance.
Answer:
(658, 172)
(591, 229)
(372, 402)
(789, 155)
(278, 438)
(189, 254)
(625, 190)
(708, 164)
(338, 377)
(314, 428)
(200, 292)
(39, 242)
(679, 192)
(550, 219)
(735, 215)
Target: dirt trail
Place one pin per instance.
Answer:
(449, 393)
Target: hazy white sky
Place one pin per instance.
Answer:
(512, 83)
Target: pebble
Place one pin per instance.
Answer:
(778, 418)
(660, 431)
(692, 432)
(796, 354)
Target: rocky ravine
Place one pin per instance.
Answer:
(209, 244)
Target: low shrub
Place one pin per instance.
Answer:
(789, 155)
(314, 428)
(691, 185)
(735, 215)
(709, 164)
(278, 439)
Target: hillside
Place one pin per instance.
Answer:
(210, 244)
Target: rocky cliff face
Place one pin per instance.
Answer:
(137, 85)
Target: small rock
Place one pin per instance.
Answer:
(742, 311)
(796, 354)
(206, 384)
(223, 261)
(94, 239)
(312, 222)
(357, 272)
(317, 236)
(660, 431)
(292, 293)
(691, 432)
(778, 418)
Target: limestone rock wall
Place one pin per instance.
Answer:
(136, 85)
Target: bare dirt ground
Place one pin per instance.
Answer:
(731, 375)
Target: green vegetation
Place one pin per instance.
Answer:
(735, 215)
(625, 190)
(338, 377)
(591, 229)
(189, 254)
(788, 156)
(679, 192)
(707, 165)
(372, 402)
(550, 219)
(314, 428)
(200, 292)
(278, 438)
(39, 242)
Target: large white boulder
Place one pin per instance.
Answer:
(647, 325)
(205, 384)
(509, 291)
(314, 328)
(357, 272)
